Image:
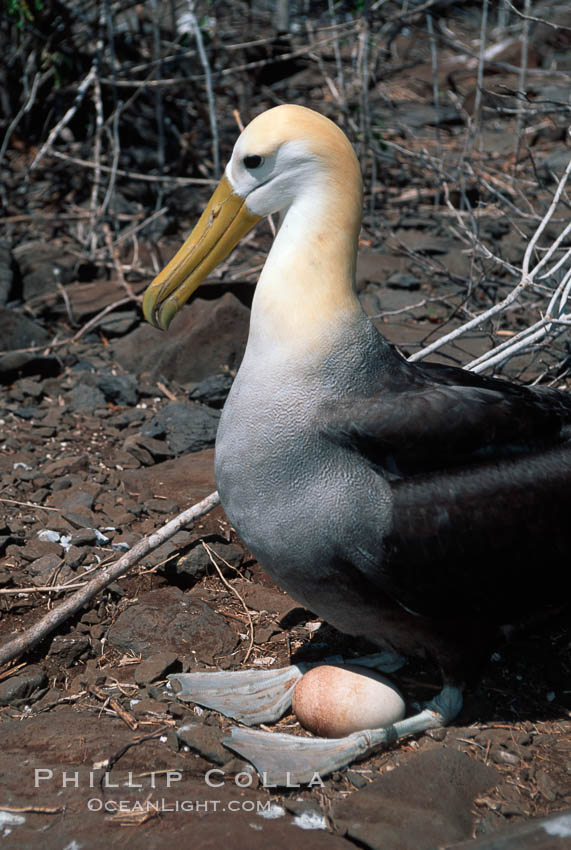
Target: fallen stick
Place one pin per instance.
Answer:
(58, 615)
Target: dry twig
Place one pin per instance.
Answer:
(209, 89)
(233, 590)
(64, 121)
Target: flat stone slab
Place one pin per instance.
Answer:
(420, 805)
(168, 621)
(185, 479)
(204, 337)
(22, 686)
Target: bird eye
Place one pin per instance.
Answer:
(253, 160)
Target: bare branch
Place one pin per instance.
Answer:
(527, 277)
(55, 131)
(54, 618)
(21, 112)
(209, 89)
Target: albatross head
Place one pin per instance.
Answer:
(288, 157)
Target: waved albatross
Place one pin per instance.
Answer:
(423, 507)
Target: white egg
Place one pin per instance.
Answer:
(334, 700)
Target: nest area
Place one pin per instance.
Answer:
(116, 120)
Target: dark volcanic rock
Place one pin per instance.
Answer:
(65, 465)
(119, 322)
(205, 740)
(74, 497)
(262, 598)
(66, 742)
(41, 570)
(196, 562)
(79, 517)
(22, 686)
(423, 804)
(554, 164)
(29, 413)
(370, 268)
(400, 280)
(136, 453)
(187, 426)
(42, 267)
(83, 537)
(161, 506)
(120, 389)
(156, 667)
(68, 648)
(204, 337)
(74, 557)
(5, 540)
(13, 365)
(127, 417)
(167, 620)
(170, 551)
(146, 449)
(212, 391)
(31, 387)
(84, 397)
(17, 331)
(549, 833)
(37, 548)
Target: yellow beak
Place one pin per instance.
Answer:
(223, 223)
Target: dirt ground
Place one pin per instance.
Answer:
(107, 430)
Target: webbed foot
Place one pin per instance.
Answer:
(255, 696)
(250, 696)
(290, 760)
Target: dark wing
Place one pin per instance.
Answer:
(480, 472)
(488, 542)
(435, 422)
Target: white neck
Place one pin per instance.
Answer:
(306, 289)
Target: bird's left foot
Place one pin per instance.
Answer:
(254, 696)
(250, 696)
(289, 760)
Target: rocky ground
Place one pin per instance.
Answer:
(107, 429)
